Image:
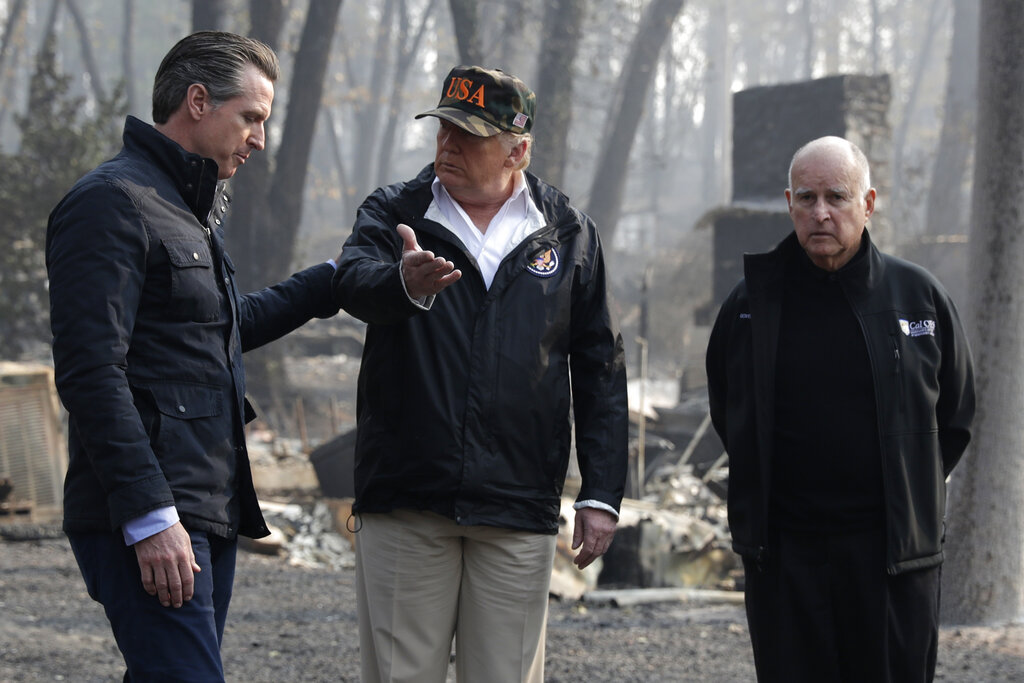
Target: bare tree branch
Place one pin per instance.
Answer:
(13, 19)
(86, 46)
(407, 51)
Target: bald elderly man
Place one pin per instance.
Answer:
(841, 384)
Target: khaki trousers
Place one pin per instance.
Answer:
(422, 579)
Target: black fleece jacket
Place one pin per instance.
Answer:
(923, 382)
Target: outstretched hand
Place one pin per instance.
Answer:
(424, 274)
(592, 534)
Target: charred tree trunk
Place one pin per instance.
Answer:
(268, 208)
(347, 196)
(368, 114)
(466, 22)
(984, 574)
(246, 238)
(245, 241)
(209, 15)
(899, 140)
(948, 193)
(511, 55)
(128, 56)
(288, 186)
(715, 128)
(562, 28)
(612, 167)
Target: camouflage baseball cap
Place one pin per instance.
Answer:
(485, 102)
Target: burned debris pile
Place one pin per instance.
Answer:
(672, 533)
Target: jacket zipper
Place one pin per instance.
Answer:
(898, 364)
(890, 568)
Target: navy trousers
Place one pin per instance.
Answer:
(824, 610)
(161, 643)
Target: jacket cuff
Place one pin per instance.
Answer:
(138, 498)
(591, 503)
(598, 498)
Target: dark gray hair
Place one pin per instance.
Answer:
(213, 59)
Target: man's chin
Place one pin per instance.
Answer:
(821, 246)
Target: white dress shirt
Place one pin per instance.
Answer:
(516, 220)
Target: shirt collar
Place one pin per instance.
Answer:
(441, 192)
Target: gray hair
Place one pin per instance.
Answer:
(860, 160)
(509, 140)
(214, 59)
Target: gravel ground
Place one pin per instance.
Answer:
(299, 624)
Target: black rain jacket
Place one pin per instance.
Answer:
(148, 333)
(464, 409)
(924, 391)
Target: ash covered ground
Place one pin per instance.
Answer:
(291, 623)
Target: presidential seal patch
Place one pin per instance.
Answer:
(544, 264)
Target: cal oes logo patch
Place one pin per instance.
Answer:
(917, 328)
(544, 264)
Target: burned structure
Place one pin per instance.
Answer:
(33, 456)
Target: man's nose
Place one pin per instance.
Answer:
(821, 213)
(257, 138)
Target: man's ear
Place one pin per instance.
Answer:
(869, 202)
(515, 156)
(197, 100)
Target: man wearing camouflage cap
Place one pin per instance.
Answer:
(485, 295)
